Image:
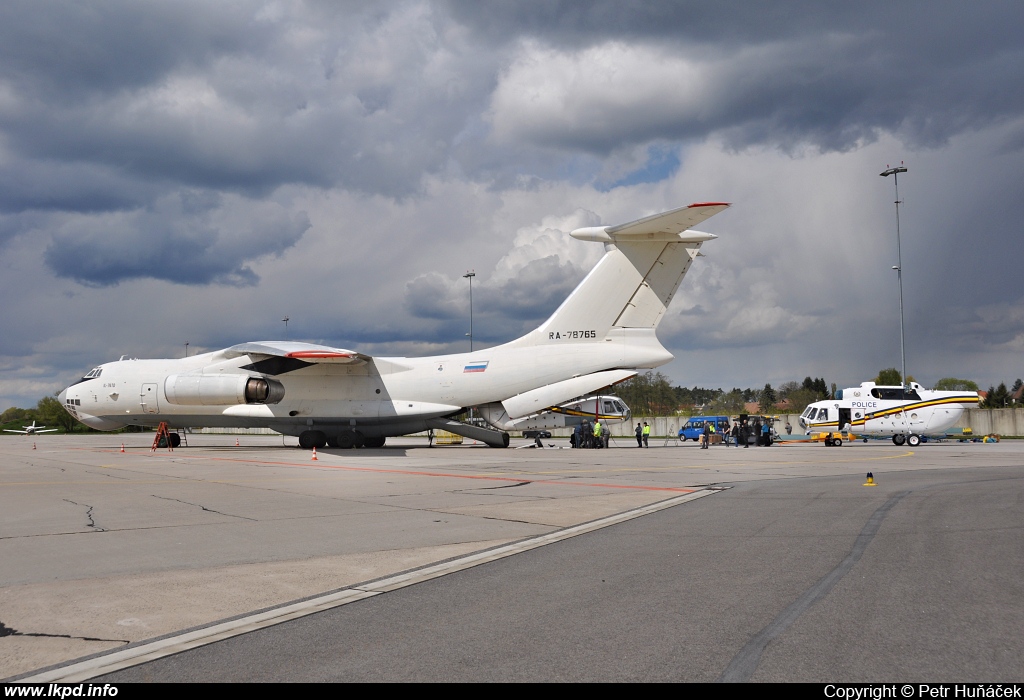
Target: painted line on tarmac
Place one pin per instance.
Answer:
(434, 474)
(150, 651)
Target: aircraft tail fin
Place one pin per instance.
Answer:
(633, 284)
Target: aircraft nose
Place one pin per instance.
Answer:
(803, 423)
(63, 397)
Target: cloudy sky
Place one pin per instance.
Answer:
(180, 171)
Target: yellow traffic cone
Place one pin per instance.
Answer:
(871, 480)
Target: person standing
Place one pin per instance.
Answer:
(766, 434)
(646, 433)
(705, 435)
(597, 433)
(736, 433)
(639, 435)
(744, 436)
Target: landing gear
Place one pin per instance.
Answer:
(374, 441)
(914, 440)
(175, 439)
(312, 438)
(898, 439)
(347, 439)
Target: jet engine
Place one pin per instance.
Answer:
(220, 390)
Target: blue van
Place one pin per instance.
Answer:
(695, 426)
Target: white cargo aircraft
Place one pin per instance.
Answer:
(603, 333)
(905, 414)
(32, 429)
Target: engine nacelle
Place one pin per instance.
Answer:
(221, 390)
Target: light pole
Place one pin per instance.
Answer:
(899, 259)
(285, 319)
(470, 275)
(186, 348)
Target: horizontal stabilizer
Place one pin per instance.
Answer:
(668, 226)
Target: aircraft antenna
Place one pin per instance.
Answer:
(899, 261)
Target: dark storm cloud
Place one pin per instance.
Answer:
(833, 77)
(242, 96)
(193, 238)
(48, 185)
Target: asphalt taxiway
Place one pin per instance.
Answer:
(218, 562)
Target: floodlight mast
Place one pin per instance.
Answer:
(899, 261)
(470, 275)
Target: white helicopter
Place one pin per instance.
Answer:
(607, 409)
(32, 429)
(603, 333)
(905, 414)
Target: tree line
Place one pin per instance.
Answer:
(48, 411)
(651, 394)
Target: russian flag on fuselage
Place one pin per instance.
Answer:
(479, 366)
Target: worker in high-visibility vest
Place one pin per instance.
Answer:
(597, 433)
(647, 433)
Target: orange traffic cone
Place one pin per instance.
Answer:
(122, 447)
(314, 454)
(236, 443)
(33, 446)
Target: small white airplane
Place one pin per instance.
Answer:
(603, 333)
(607, 409)
(905, 414)
(32, 429)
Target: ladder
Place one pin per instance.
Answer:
(162, 432)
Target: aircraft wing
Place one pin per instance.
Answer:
(21, 432)
(307, 352)
(667, 226)
(48, 430)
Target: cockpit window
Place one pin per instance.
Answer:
(823, 414)
(608, 407)
(810, 412)
(94, 373)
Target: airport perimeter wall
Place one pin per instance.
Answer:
(983, 421)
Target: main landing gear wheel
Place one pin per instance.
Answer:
(374, 442)
(914, 440)
(312, 438)
(898, 439)
(348, 439)
(175, 439)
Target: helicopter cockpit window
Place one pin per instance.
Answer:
(811, 411)
(823, 414)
